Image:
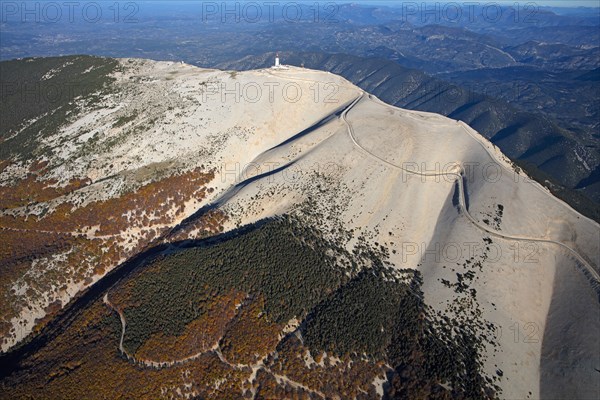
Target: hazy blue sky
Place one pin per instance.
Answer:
(541, 3)
(554, 3)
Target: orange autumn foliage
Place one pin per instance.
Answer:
(199, 336)
(31, 190)
(83, 362)
(151, 210)
(348, 378)
(250, 336)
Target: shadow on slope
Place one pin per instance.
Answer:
(570, 361)
(546, 151)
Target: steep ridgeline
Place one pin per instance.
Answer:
(277, 233)
(564, 161)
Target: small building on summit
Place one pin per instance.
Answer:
(278, 64)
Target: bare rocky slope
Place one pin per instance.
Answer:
(165, 151)
(551, 152)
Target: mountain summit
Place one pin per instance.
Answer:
(272, 232)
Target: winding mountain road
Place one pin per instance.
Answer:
(459, 177)
(215, 349)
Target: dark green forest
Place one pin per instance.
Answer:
(289, 265)
(349, 304)
(46, 90)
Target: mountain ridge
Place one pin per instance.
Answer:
(258, 158)
(536, 143)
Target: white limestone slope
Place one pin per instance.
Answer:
(369, 155)
(425, 186)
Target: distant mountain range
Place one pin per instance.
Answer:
(522, 75)
(176, 223)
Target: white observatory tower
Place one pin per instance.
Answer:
(278, 64)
